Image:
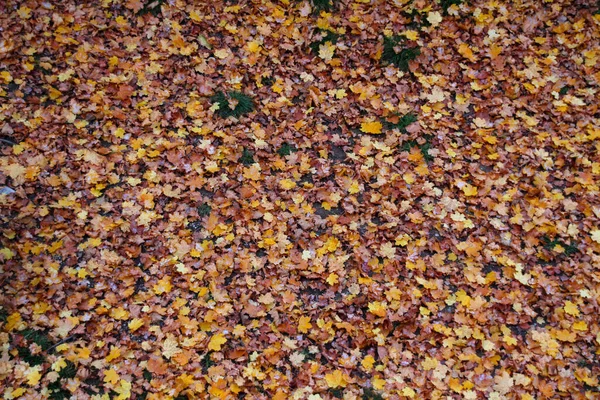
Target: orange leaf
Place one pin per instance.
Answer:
(374, 127)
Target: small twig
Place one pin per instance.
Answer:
(60, 342)
(8, 141)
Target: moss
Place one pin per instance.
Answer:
(151, 7)
(322, 5)
(400, 58)
(243, 106)
(286, 149)
(325, 36)
(402, 123)
(446, 4)
(247, 157)
(204, 210)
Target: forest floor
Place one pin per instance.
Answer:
(291, 199)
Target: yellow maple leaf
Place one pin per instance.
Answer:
(84, 353)
(388, 250)
(119, 132)
(368, 362)
(332, 279)
(571, 308)
(411, 35)
(463, 298)
(565, 335)
(354, 187)
(340, 94)
(184, 380)
(123, 390)
(378, 383)
(252, 172)
(307, 255)
(15, 393)
(81, 123)
(170, 347)
(135, 324)
(488, 345)
(33, 375)
(336, 379)
(402, 240)
(221, 53)
(13, 321)
(111, 376)
(287, 184)
(253, 46)
(15, 171)
(194, 16)
(115, 352)
(409, 178)
(6, 76)
(429, 363)
(119, 313)
(377, 308)
(24, 12)
(434, 18)
(595, 234)
(580, 326)
(59, 364)
(326, 51)
(216, 341)
(163, 285)
(304, 324)
(437, 95)
(466, 52)
(469, 190)
(374, 127)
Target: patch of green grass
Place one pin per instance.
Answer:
(337, 393)
(147, 375)
(247, 157)
(93, 386)
(152, 7)
(37, 337)
(570, 249)
(371, 394)
(400, 58)
(564, 90)
(402, 123)
(36, 62)
(3, 315)
(308, 356)
(446, 4)
(57, 392)
(267, 80)
(425, 151)
(326, 36)
(322, 5)
(68, 371)
(31, 359)
(286, 149)
(207, 362)
(424, 148)
(204, 210)
(242, 104)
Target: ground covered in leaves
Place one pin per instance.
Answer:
(299, 199)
